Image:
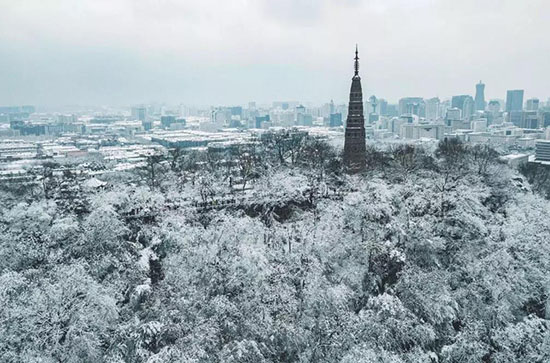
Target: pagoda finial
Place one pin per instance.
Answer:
(356, 60)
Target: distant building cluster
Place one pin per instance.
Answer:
(514, 125)
(123, 139)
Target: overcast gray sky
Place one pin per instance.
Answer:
(115, 52)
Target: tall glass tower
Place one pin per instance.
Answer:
(514, 100)
(480, 97)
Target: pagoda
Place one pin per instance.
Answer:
(354, 144)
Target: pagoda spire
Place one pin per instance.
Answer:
(356, 61)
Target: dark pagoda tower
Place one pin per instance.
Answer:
(354, 144)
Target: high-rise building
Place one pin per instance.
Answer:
(167, 121)
(465, 103)
(303, 118)
(432, 108)
(139, 113)
(372, 105)
(494, 106)
(299, 111)
(515, 118)
(532, 104)
(236, 111)
(260, 121)
(382, 107)
(392, 110)
(354, 143)
(335, 120)
(468, 108)
(480, 97)
(514, 100)
(530, 120)
(147, 125)
(372, 110)
(443, 107)
(411, 105)
(458, 101)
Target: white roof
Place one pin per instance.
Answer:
(94, 183)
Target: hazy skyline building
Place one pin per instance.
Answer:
(412, 106)
(444, 105)
(382, 107)
(335, 120)
(468, 107)
(354, 143)
(432, 108)
(493, 106)
(514, 100)
(480, 97)
(530, 120)
(139, 113)
(515, 118)
(458, 101)
(532, 104)
(372, 105)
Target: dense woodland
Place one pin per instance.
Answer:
(270, 252)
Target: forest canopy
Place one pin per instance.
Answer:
(272, 253)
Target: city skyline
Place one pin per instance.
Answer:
(142, 52)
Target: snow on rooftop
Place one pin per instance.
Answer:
(94, 183)
(514, 156)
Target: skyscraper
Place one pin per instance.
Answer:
(532, 104)
(335, 120)
(382, 107)
(494, 106)
(139, 113)
(458, 101)
(372, 103)
(468, 108)
(432, 109)
(411, 105)
(354, 144)
(465, 103)
(480, 97)
(372, 113)
(514, 100)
